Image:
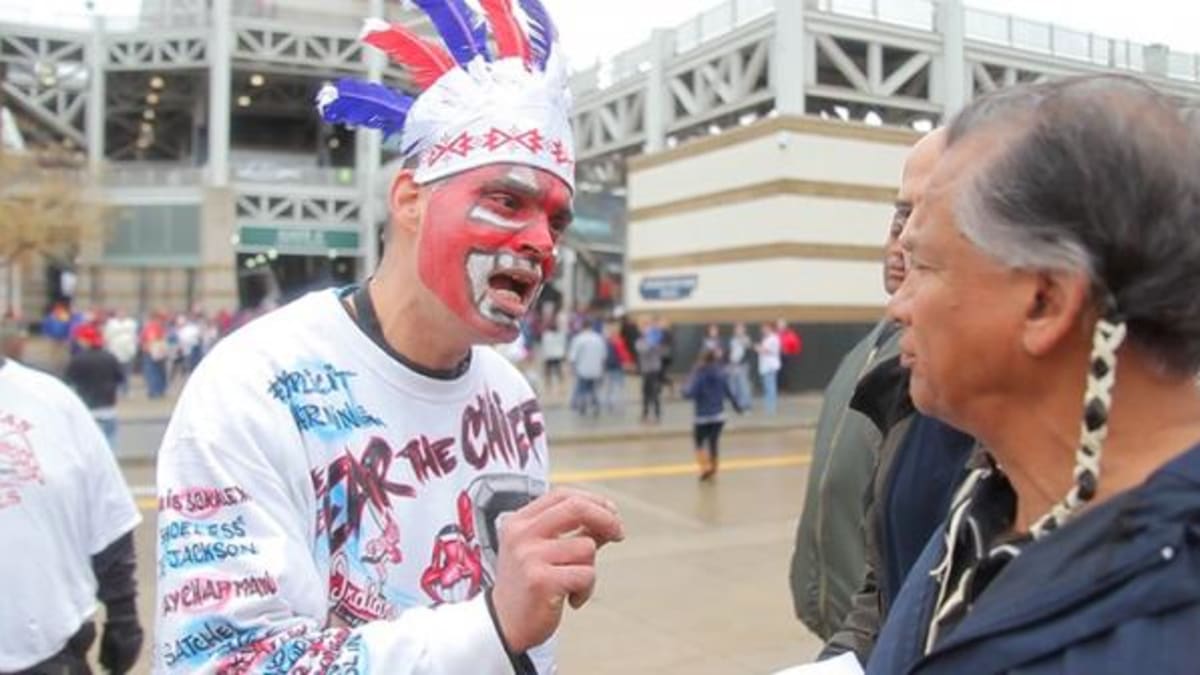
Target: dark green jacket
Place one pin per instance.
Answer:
(829, 560)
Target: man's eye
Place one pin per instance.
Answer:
(504, 201)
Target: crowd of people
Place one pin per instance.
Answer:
(358, 482)
(101, 353)
(588, 360)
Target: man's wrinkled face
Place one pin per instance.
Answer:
(961, 309)
(487, 243)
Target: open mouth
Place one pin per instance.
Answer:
(503, 285)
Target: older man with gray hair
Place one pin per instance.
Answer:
(1050, 310)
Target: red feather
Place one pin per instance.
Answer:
(510, 39)
(425, 61)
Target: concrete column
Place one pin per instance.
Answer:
(220, 82)
(368, 157)
(951, 23)
(788, 56)
(96, 94)
(662, 48)
(567, 261)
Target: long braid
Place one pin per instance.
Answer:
(1097, 403)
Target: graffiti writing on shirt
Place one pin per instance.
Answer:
(246, 656)
(330, 652)
(19, 466)
(321, 401)
(347, 486)
(492, 433)
(204, 640)
(197, 595)
(202, 502)
(352, 603)
(205, 553)
(188, 529)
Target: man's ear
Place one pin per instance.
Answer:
(404, 202)
(1058, 302)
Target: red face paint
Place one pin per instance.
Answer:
(487, 243)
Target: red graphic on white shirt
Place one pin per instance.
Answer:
(384, 550)
(18, 464)
(456, 564)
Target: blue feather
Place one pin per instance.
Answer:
(456, 23)
(364, 104)
(542, 33)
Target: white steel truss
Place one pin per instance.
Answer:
(890, 69)
(264, 207)
(46, 75)
(143, 51)
(854, 64)
(714, 83)
(616, 123)
(296, 47)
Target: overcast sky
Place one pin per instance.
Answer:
(593, 28)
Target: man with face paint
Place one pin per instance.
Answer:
(358, 481)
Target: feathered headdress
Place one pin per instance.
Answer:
(474, 108)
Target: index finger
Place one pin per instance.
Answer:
(578, 513)
(559, 494)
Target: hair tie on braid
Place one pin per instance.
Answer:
(1097, 404)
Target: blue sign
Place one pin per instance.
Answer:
(668, 288)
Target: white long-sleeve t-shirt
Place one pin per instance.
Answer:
(323, 508)
(62, 501)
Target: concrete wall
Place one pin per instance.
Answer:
(781, 219)
(785, 218)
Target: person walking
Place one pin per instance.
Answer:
(666, 344)
(650, 363)
(769, 363)
(589, 350)
(708, 387)
(618, 359)
(153, 343)
(739, 350)
(96, 376)
(554, 351)
(121, 339)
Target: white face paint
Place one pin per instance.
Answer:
(483, 214)
(481, 266)
(523, 176)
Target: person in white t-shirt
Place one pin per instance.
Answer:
(354, 482)
(121, 339)
(770, 360)
(554, 352)
(66, 520)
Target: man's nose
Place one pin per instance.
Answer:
(535, 240)
(898, 304)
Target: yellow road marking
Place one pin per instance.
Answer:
(620, 473)
(631, 472)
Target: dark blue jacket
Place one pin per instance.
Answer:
(1115, 591)
(709, 387)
